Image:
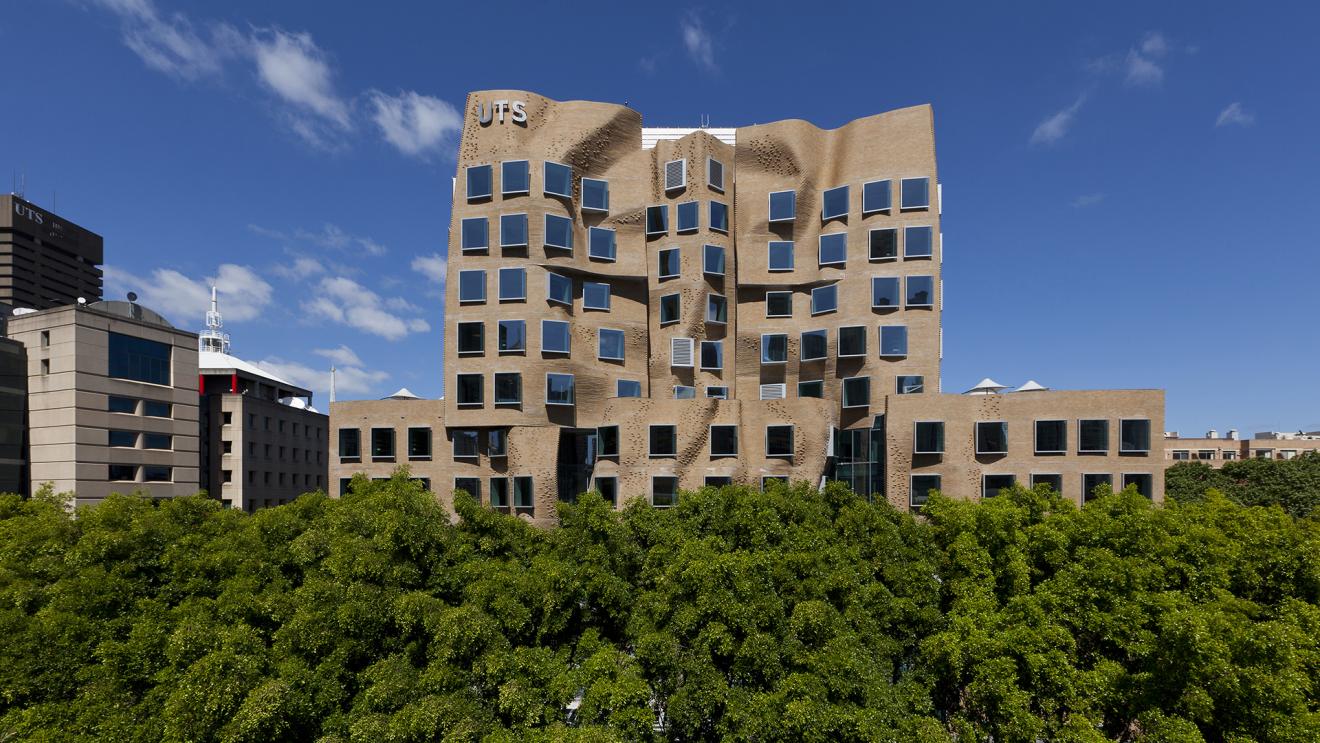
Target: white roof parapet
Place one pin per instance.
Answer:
(653, 134)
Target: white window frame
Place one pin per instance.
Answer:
(843, 392)
(665, 171)
(889, 208)
(679, 387)
(678, 222)
(985, 475)
(500, 454)
(676, 488)
(1080, 450)
(1035, 435)
(570, 336)
(820, 249)
(791, 453)
(498, 324)
(545, 232)
(778, 292)
(976, 437)
(909, 256)
(545, 166)
(897, 249)
(600, 337)
(912, 483)
(701, 355)
(622, 397)
(527, 231)
(710, 214)
(904, 207)
(660, 312)
(660, 263)
(454, 487)
(898, 296)
(724, 259)
(838, 348)
(494, 387)
(609, 296)
(880, 338)
(1031, 478)
(792, 254)
(711, 438)
(503, 190)
(721, 394)
(550, 277)
(462, 230)
(802, 346)
(899, 377)
(943, 438)
(614, 243)
(820, 382)
(453, 444)
(480, 403)
(847, 203)
(1123, 476)
(1149, 436)
(710, 181)
(763, 347)
(583, 200)
(650, 441)
(1087, 493)
(646, 220)
(484, 290)
(458, 331)
(769, 206)
(907, 292)
(711, 295)
(499, 281)
(569, 404)
(814, 310)
(467, 181)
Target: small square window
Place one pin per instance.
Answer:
(991, 485)
(607, 441)
(712, 355)
(663, 441)
(685, 392)
(1092, 482)
(554, 336)
(928, 437)
(884, 244)
(916, 193)
(471, 338)
(922, 487)
(875, 197)
(715, 174)
(479, 184)
(909, 385)
(779, 441)
(476, 233)
(515, 177)
(508, 388)
(724, 441)
(719, 217)
(884, 291)
(600, 243)
(1054, 482)
(834, 203)
(513, 336)
(1092, 436)
(382, 443)
(712, 260)
(717, 309)
(833, 249)
(852, 341)
(774, 348)
(669, 263)
(918, 242)
(608, 487)
(825, 299)
(559, 389)
(783, 206)
(781, 255)
(419, 442)
(350, 443)
(857, 392)
(893, 341)
(513, 230)
(657, 220)
(513, 284)
(779, 304)
(664, 491)
(472, 286)
(559, 289)
(1134, 436)
(815, 345)
(595, 195)
(1144, 483)
(991, 437)
(470, 389)
(814, 388)
(558, 232)
(1052, 437)
(669, 309)
(558, 180)
(595, 296)
(689, 216)
(627, 388)
(611, 343)
(920, 291)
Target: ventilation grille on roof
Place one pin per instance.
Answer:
(675, 175)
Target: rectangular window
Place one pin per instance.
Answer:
(350, 443)
(472, 286)
(470, 389)
(156, 409)
(657, 219)
(685, 392)
(515, 177)
(992, 484)
(852, 341)
(718, 481)
(680, 352)
(1092, 436)
(121, 405)
(774, 391)
(126, 439)
(814, 388)
(663, 441)
(600, 243)
(479, 184)
(922, 487)
(774, 348)
(712, 355)
(884, 291)
(1092, 482)
(669, 263)
(719, 217)
(783, 206)
(508, 388)
(717, 309)
(1142, 482)
(499, 489)
(779, 441)
(875, 197)
(1054, 482)
(558, 289)
(857, 392)
(689, 216)
(558, 232)
(138, 359)
(382, 443)
(884, 244)
(559, 389)
(497, 442)
(664, 491)
(916, 193)
(627, 388)
(476, 233)
(928, 437)
(834, 203)
(122, 473)
(717, 393)
(669, 304)
(469, 485)
(781, 255)
(595, 296)
(607, 441)
(712, 260)
(513, 336)
(833, 249)
(608, 487)
(513, 230)
(513, 284)
(815, 345)
(471, 338)
(779, 304)
(1051, 437)
(920, 291)
(1134, 436)
(157, 441)
(715, 174)
(558, 180)
(991, 437)
(524, 497)
(157, 473)
(724, 441)
(918, 242)
(893, 341)
(610, 344)
(825, 299)
(419, 442)
(595, 195)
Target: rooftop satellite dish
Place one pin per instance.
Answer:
(82, 300)
(132, 296)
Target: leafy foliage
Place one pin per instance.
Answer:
(795, 614)
(1291, 484)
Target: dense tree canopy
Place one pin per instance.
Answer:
(1292, 484)
(795, 615)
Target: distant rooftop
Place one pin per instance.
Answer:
(653, 134)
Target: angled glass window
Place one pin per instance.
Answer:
(815, 345)
(685, 392)
(669, 309)
(852, 341)
(723, 441)
(857, 392)
(689, 216)
(1055, 482)
(909, 384)
(558, 232)
(783, 206)
(465, 443)
(712, 260)
(595, 296)
(1092, 436)
(712, 355)
(664, 491)
(627, 388)
(884, 291)
(513, 284)
(607, 441)
(663, 441)
(471, 337)
(558, 288)
(600, 243)
(875, 197)
(669, 263)
(916, 193)
(499, 492)
(513, 335)
(508, 388)
(833, 249)
(719, 216)
(884, 244)
(1051, 437)
(559, 389)
(479, 184)
(781, 255)
(824, 299)
(657, 219)
(515, 177)
(814, 388)
(992, 484)
(1134, 436)
(922, 488)
(893, 340)
(513, 230)
(611, 344)
(472, 286)
(476, 233)
(834, 203)
(715, 174)
(1092, 482)
(774, 348)
(717, 309)
(991, 437)
(928, 437)
(920, 291)
(779, 441)
(471, 389)
(558, 180)
(595, 195)
(779, 304)
(717, 393)
(918, 242)
(554, 336)
(524, 496)
(497, 442)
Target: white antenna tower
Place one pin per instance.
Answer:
(332, 383)
(212, 339)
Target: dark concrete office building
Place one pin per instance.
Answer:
(13, 417)
(45, 260)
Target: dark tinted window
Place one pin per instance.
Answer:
(992, 484)
(928, 437)
(471, 389)
(350, 443)
(419, 442)
(852, 341)
(783, 206)
(1051, 436)
(779, 441)
(992, 437)
(122, 472)
(724, 441)
(121, 404)
(1091, 482)
(1093, 435)
(909, 384)
(156, 473)
(663, 441)
(834, 203)
(657, 219)
(515, 177)
(815, 345)
(469, 485)
(508, 388)
(558, 232)
(382, 442)
(471, 337)
(607, 441)
(122, 438)
(1135, 436)
(689, 216)
(917, 242)
(922, 485)
(719, 216)
(157, 441)
(138, 359)
(479, 182)
(1055, 482)
(875, 197)
(916, 193)
(558, 180)
(884, 244)
(156, 409)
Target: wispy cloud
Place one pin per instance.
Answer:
(242, 293)
(329, 235)
(417, 125)
(302, 268)
(1090, 199)
(698, 41)
(343, 356)
(1056, 125)
(1235, 115)
(433, 267)
(344, 301)
(297, 71)
(350, 379)
(169, 43)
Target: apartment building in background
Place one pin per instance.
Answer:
(45, 260)
(642, 311)
(1214, 451)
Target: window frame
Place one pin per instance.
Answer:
(550, 278)
(898, 295)
(712, 297)
(802, 345)
(490, 182)
(619, 381)
(545, 233)
(677, 299)
(784, 360)
(609, 296)
(695, 214)
(701, 355)
(916, 437)
(907, 230)
(710, 179)
(501, 335)
(582, 202)
(820, 382)
(463, 234)
(880, 337)
(663, 211)
(838, 350)
(600, 343)
(476, 443)
(458, 386)
(1036, 436)
(495, 387)
(572, 390)
(568, 332)
(484, 292)
(825, 197)
(1080, 437)
(792, 441)
(770, 256)
(898, 381)
(601, 450)
(820, 249)
(705, 260)
(778, 293)
(673, 494)
(889, 196)
(651, 441)
(481, 337)
(545, 179)
(770, 207)
(1121, 448)
(902, 194)
(985, 476)
(660, 268)
(591, 243)
(665, 172)
(844, 394)
(1036, 478)
(823, 290)
(711, 438)
(710, 217)
(907, 295)
(526, 230)
(912, 488)
(511, 270)
(976, 433)
(527, 170)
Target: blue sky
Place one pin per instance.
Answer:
(1130, 188)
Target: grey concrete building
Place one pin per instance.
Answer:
(45, 260)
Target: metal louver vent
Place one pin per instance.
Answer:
(715, 174)
(675, 175)
(680, 350)
(773, 391)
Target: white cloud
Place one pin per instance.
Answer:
(1090, 199)
(700, 45)
(1055, 126)
(293, 67)
(345, 301)
(349, 379)
(169, 43)
(343, 356)
(416, 124)
(332, 236)
(301, 268)
(243, 295)
(433, 267)
(1235, 115)
(1141, 70)
(1154, 45)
